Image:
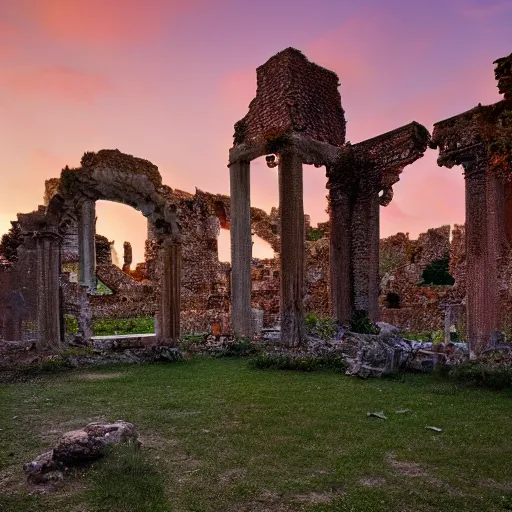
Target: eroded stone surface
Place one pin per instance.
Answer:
(79, 447)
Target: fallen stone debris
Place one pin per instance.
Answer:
(79, 447)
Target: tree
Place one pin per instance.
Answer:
(10, 242)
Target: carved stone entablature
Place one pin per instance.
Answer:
(468, 135)
(458, 138)
(374, 165)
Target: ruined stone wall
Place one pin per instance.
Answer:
(421, 307)
(317, 277)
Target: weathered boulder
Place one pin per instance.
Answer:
(79, 447)
(372, 355)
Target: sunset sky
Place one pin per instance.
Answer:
(165, 80)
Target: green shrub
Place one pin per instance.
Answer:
(321, 327)
(314, 234)
(75, 351)
(437, 273)
(437, 336)
(417, 336)
(299, 362)
(54, 364)
(103, 289)
(240, 348)
(481, 375)
(362, 324)
(71, 324)
(190, 342)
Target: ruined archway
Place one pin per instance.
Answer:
(113, 176)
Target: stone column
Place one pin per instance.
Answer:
(340, 215)
(291, 209)
(373, 271)
(169, 318)
(496, 243)
(485, 237)
(48, 291)
(241, 248)
(87, 244)
(365, 252)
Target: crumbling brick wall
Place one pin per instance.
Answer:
(293, 94)
(421, 307)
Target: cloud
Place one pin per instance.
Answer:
(104, 22)
(57, 82)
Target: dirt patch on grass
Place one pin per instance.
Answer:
(265, 502)
(492, 484)
(411, 469)
(232, 475)
(372, 481)
(274, 502)
(318, 497)
(98, 376)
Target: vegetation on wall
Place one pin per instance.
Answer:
(437, 273)
(314, 234)
(362, 324)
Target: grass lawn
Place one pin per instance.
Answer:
(219, 436)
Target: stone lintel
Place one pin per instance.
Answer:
(310, 151)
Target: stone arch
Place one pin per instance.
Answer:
(110, 175)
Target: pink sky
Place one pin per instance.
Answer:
(166, 80)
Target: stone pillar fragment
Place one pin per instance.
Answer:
(447, 323)
(340, 213)
(168, 329)
(127, 256)
(241, 248)
(48, 291)
(87, 244)
(291, 209)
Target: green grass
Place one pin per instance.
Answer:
(136, 325)
(220, 436)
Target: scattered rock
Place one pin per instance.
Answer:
(372, 355)
(379, 414)
(79, 447)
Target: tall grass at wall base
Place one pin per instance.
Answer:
(299, 362)
(480, 374)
